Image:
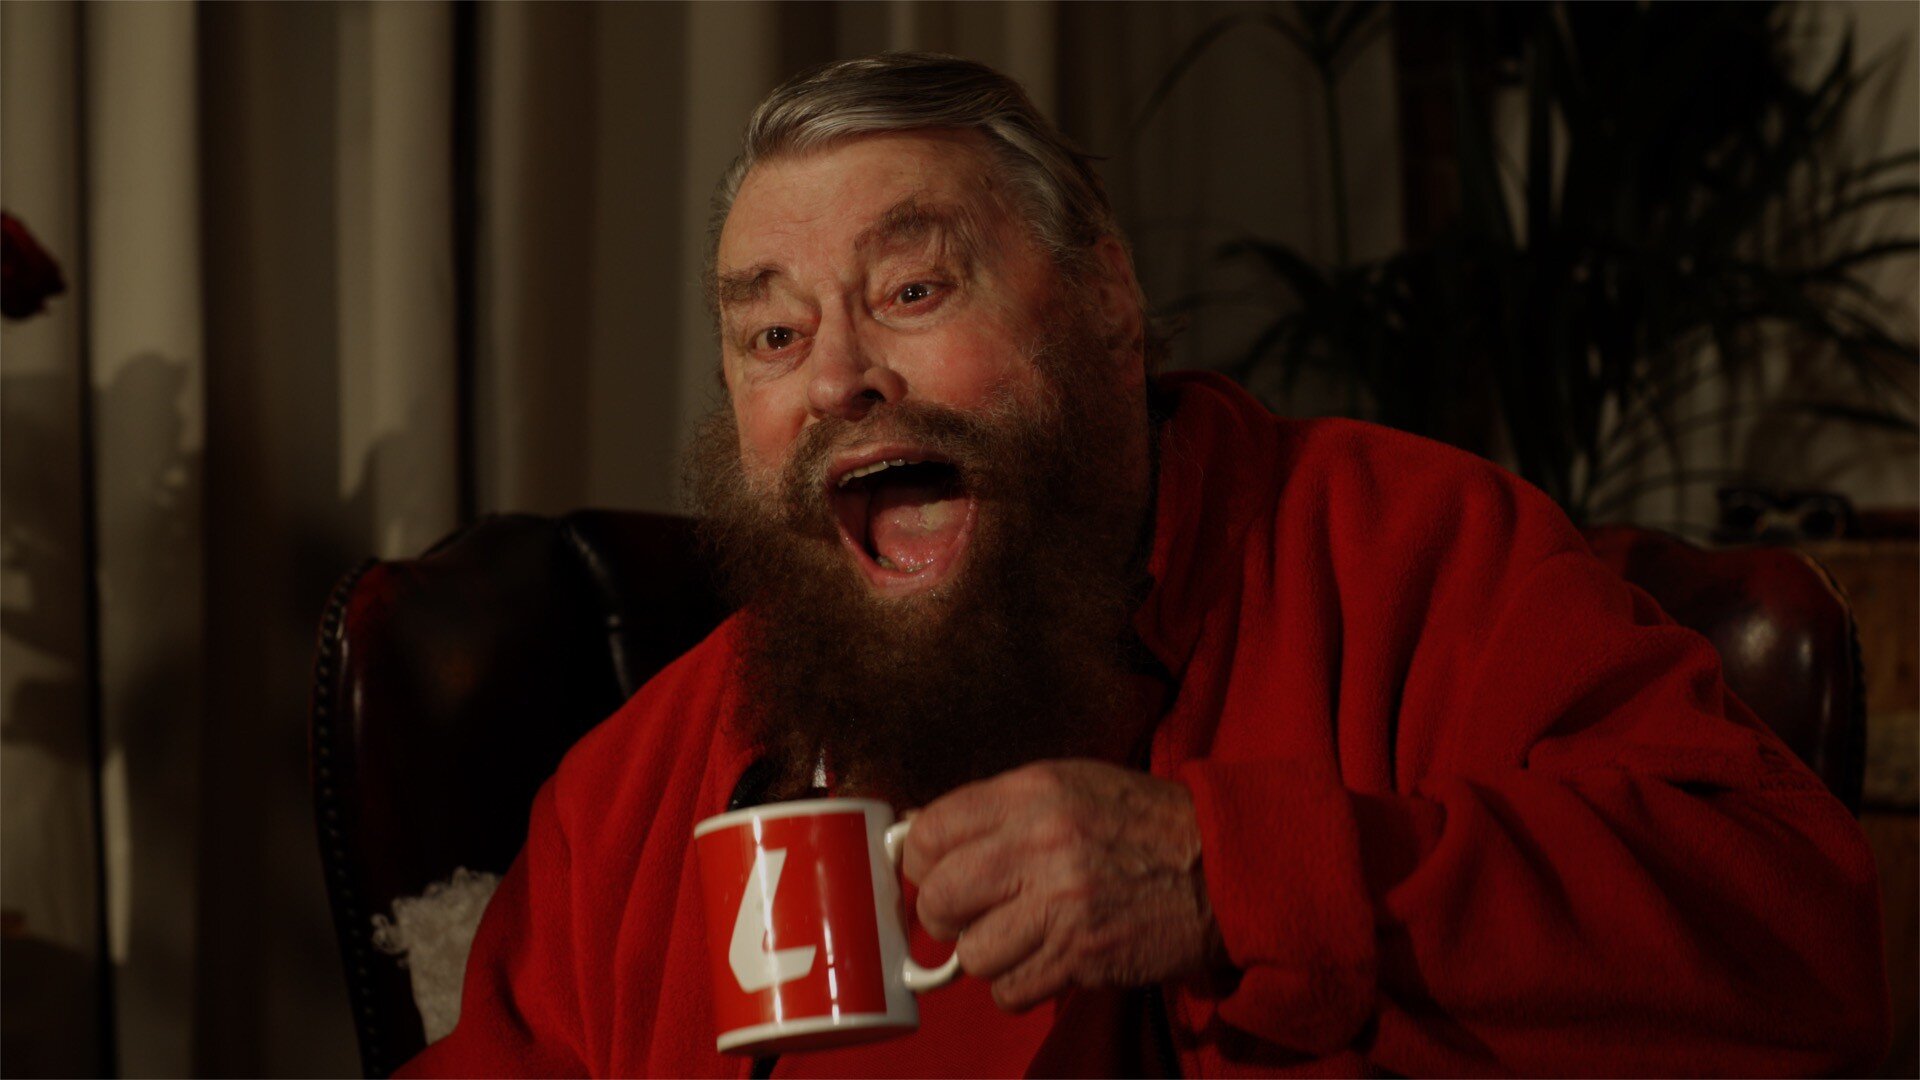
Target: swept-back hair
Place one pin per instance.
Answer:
(1049, 182)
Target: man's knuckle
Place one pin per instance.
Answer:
(936, 899)
(946, 925)
(970, 949)
(1075, 876)
(1011, 991)
(982, 950)
(929, 832)
(1078, 953)
(1041, 780)
(1056, 830)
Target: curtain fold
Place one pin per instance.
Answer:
(333, 390)
(52, 949)
(255, 382)
(147, 361)
(397, 361)
(733, 60)
(537, 187)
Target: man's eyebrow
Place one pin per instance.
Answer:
(914, 219)
(744, 286)
(911, 219)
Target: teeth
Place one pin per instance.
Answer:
(888, 564)
(869, 470)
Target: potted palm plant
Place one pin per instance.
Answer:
(1671, 207)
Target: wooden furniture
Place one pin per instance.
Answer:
(1881, 578)
(446, 690)
(1783, 630)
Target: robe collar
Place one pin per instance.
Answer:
(1213, 449)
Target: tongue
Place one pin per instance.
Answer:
(914, 524)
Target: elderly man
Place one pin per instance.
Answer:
(1244, 744)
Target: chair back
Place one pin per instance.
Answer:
(1784, 631)
(446, 690)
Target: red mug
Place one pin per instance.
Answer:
(805, 926)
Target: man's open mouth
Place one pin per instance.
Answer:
(907, 515)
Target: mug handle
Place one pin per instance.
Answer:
(917, 978)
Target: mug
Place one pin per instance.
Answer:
(805, 926)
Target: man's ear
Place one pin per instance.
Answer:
(1120, 306)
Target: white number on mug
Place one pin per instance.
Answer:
(756, 967)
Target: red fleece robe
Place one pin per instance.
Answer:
(1468, 804)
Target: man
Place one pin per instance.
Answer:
(1242, 744)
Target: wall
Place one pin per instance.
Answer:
(1875, 469)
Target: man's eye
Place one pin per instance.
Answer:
(775, 338)
(914, 293)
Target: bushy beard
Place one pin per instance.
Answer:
(1019, 656)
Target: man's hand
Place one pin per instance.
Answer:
(1064, 874)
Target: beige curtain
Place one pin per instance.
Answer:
(52, 949)
(255, 381)
(1238, 148)
(249, 387)
(603, 128)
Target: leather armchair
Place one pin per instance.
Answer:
(447, 688)
(1785, 634)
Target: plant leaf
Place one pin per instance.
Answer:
(1208, 37)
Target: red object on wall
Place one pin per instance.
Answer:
(28, 275)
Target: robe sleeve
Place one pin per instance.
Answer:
(520, 1004)
(1593, 860)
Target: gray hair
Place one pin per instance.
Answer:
(1051, 181)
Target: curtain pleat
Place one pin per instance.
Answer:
(286, 514)
(398, 392)
(332, 404)
(147, 360)
(732, 61)
(255, 383)
(537, 187)
(51, 955)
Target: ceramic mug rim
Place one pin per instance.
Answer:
(799, 808)
(759, 1036)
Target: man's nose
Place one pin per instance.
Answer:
(847, 377)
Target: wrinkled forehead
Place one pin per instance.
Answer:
(859, 192)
